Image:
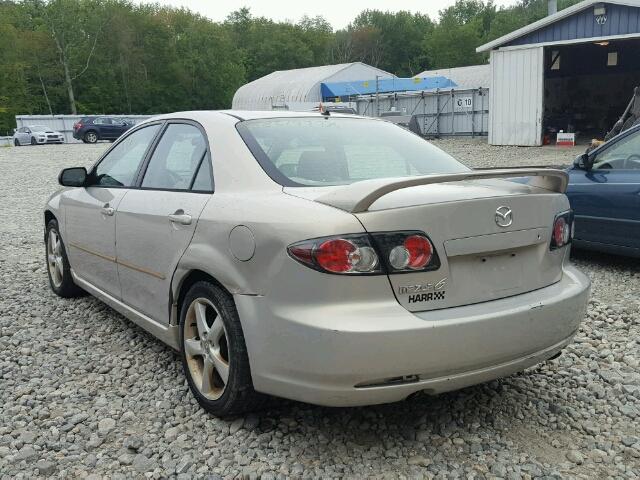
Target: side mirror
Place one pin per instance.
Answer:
(15, 130)
(585, 161)
(27, 131)
(73, 177)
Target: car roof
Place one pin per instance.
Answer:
(241, 115)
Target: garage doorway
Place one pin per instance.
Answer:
(588, 86)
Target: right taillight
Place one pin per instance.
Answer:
(368, 254)
(562, 231)
(407, 251)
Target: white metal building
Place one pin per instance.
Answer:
(573, 70)
(474, 76)
(299, 89)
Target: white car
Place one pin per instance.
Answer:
(326, 258)
(36, 135)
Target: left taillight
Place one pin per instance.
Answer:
(563, 228)
(368, 254)
(348, 254)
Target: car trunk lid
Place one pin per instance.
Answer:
(482, 257)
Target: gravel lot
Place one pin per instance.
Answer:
(87, 394)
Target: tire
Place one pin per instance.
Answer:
(223, 350)
(91, 136)
(60, 279)
(33, 141)
(16, 142)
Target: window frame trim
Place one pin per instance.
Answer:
(128, 133)
(145, 164)
(142, 167)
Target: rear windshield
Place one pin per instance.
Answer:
(318, 151)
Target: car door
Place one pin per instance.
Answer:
(119, 126)
(104, 128)
(25, 136)
(90, 231)
(606, 199)
(155, 223)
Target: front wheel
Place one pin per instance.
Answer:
(33, 141)
(16, 142)
(58, 267)
(214, 353)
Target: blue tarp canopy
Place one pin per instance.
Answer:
(385, 85)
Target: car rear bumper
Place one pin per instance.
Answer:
(370, 354)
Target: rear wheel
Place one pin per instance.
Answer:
(214, 353)
(91, 137)
(58, 264)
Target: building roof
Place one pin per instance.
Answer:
(474, 76)
(385, 85)
(578, 7)
(299, 85)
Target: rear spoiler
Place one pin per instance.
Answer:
(359, 196)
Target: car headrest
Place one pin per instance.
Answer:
(322, 167)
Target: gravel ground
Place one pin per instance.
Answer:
(87, 394)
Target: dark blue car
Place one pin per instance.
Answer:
(604, 191)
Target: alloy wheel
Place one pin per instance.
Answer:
(92, 137)
(54, 258)
(206, 348)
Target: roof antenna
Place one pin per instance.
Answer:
(323, 111)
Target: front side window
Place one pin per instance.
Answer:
(176, 158)
(119, 167)
(317, 151)
(622, 155)
(102, 121)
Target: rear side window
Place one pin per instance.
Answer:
(203, 181)
(317, 151)
(118, 168)
(176, 159)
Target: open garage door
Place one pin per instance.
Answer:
(515, 116)
(588, 86)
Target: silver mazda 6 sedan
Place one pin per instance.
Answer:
(331, 259)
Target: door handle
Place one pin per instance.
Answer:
(180, 217)
(107, 210)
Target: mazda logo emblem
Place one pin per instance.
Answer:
(504, 216)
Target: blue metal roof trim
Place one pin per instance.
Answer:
(385, 85)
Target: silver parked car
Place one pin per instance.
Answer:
(326, 258)
(36, 135)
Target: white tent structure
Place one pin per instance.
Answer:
(299, 89)
(474, 76)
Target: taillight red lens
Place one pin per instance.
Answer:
(352, 254)
(558, 231)
(420, 251)
(562, 230)
(335, 255)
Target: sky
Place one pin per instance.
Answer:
(338, 12)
